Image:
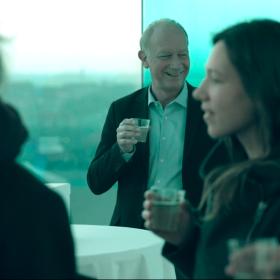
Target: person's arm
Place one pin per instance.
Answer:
(180, 245)
(13, 133)
(107, 165)
(183, 255)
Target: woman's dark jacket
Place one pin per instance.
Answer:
(254, 214)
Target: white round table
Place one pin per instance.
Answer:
(108, 252)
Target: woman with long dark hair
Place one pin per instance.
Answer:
(240, 97)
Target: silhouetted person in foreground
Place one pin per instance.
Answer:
(35, 236)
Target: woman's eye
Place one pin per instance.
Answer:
(215, 80)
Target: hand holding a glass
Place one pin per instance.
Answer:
(130, 132)
(166, 214)
(258, 260)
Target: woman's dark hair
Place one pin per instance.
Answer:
(254, 50)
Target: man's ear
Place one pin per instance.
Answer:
(143, 57)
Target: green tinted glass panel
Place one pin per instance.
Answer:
(202, 18)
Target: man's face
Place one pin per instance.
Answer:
(168, 59)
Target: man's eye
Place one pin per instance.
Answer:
(164, 56)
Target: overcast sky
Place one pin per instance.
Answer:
(71, 35)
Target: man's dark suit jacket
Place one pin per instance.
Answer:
(108, 165)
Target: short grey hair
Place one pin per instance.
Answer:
(146, 36)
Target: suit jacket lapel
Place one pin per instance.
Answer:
(142, 110)
(192, 123)
(141, 104)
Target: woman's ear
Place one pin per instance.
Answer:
(143, 57)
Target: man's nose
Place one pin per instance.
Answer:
(176, 62)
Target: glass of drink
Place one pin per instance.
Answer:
(165, 209)
(143, 125)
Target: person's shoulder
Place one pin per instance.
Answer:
(132, 96)
(23, 183)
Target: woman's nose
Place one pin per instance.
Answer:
(200, 93)
(197, 94)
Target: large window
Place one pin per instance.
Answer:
(68, 60)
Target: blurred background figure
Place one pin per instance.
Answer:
(240, 97)
(35, 237)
